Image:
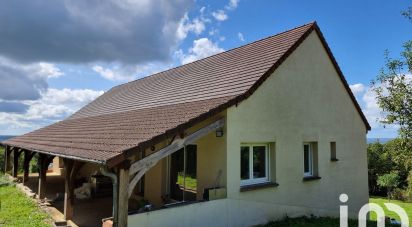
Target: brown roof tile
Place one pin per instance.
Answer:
(147, 110)
(103, 137)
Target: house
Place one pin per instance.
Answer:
(249, 135)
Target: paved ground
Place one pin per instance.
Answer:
(87, 213)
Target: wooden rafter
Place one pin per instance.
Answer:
(139, 168)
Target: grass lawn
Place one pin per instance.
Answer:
(18, 210)
(331, 222)
(381, 201)
(190, 183)
(315, 222)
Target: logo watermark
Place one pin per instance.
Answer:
(372, 207)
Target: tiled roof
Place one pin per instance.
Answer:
(133, 114)
(226, 74)
(103, 137)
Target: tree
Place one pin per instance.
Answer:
(389, 181)
(378, 164)
(393, 88)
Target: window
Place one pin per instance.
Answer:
(182, 174)
(254, 164)
(307, 160)
(333, 152)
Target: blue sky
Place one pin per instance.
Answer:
(58, 60)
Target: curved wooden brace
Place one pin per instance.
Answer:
(139, 168)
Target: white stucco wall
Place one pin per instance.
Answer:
(219, 213)
(303, 101)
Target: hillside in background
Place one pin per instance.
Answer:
(2, 138)
(380, 140)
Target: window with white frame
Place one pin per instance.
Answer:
(254, 164)
(307, 160)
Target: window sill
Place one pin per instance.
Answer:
(251, 187)
(311, 178)
(334, 159)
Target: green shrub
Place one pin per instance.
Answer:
(399, 194)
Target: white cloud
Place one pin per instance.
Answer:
(232, 4)
(371, 108)
(366, 98)
(357, 88)
(114, 74)
(54, 105)
(220, 15)
(125, 73)
(201, 48)
(197, 26)
(57, 104)
(240, 36)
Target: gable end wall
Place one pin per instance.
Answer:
(304, 100)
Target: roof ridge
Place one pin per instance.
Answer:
(313, 23)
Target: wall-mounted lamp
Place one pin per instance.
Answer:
(219, 132)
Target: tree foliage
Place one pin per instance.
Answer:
(388, 158)
(408, 13)
(389, 181)
(393, 88)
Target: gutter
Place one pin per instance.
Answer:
(58, 154)
(106, 172)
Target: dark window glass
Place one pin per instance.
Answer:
(244, 163)
(306, 151)
(259, 161)
(333, 150)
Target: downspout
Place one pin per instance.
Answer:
(106, 172)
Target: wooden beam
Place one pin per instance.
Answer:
(9, 159)
(16, 155)
(142, 166)
(123, 196)
(6, 158)
(175, 146)
(68, 189)
(136, 179)
(44, 161)
(71, 168)
(28, 155)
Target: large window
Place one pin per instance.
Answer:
(254, 164)
(307, 160)
(182, 174)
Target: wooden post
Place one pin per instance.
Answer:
(8, 163)
(71, 168)
(28, 155)
(6, 158)
(16, 155)
(123, 197)
(68, 189)
(44, 161)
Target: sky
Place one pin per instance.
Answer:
(57, 56)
